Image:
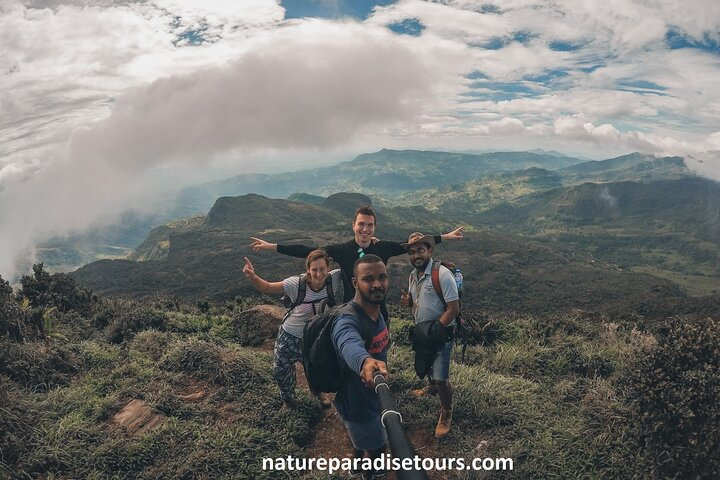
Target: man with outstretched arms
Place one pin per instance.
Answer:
(321, 287)
(345, 254)
(356, 400)
(434, 323)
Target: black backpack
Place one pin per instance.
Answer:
(302, 289)
(324, 371)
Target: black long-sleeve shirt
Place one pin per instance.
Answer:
(345, 255)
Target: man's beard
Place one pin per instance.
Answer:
(374, 301)
(423, 266)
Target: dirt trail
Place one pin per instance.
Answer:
(332, 441)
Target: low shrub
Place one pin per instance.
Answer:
(223, 366)
(252, 326)
(135, 318)
(14, 321)
(97, 354)
(151, 344)
(72, 325)
(673, 387)
(38, 366)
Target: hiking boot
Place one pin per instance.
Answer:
(324, 399)
(356, 474)
(443, 426)
(426, 390)
(375, 474)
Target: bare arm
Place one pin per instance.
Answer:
(263, 286)
(260, 245)
(299, 251)
(456, 234)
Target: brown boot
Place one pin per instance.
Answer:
(426, 390)
(443, 426)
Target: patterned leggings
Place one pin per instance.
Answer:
(288, 350)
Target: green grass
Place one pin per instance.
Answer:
(695, 285)
(540, 390)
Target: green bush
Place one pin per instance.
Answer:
(248, 330)
(151, 343)
(57, 290)
(223, 366)
(5, 288)
(72, 325)
(14, 321)
(486, 329)
(98, 354)
(38, 365)
(674, 389)
(135, 318)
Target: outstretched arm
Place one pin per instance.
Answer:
(299, 251)
(456, 234)
(263, 286)
(260, 245)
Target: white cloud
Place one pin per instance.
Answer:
(141, 84)
(312, 85)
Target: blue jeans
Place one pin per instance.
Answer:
(367, 435)
(440, 369)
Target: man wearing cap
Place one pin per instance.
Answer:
(434, 323)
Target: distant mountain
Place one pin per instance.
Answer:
(157, 244)
(383, 174)
(635, 167)
(453, 185)
(307, 198)
(458, 201)
(206, 259)
(484, 192)
(669, 228)
(112, 241)
(690, 205)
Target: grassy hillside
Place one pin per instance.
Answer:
(668, 228)
(565, 396)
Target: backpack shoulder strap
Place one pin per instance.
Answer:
(330, 292)
(302, 288)
(435, 277)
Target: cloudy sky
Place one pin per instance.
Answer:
(102, 101)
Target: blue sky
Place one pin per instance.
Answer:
(359, 10)
(190, 90)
